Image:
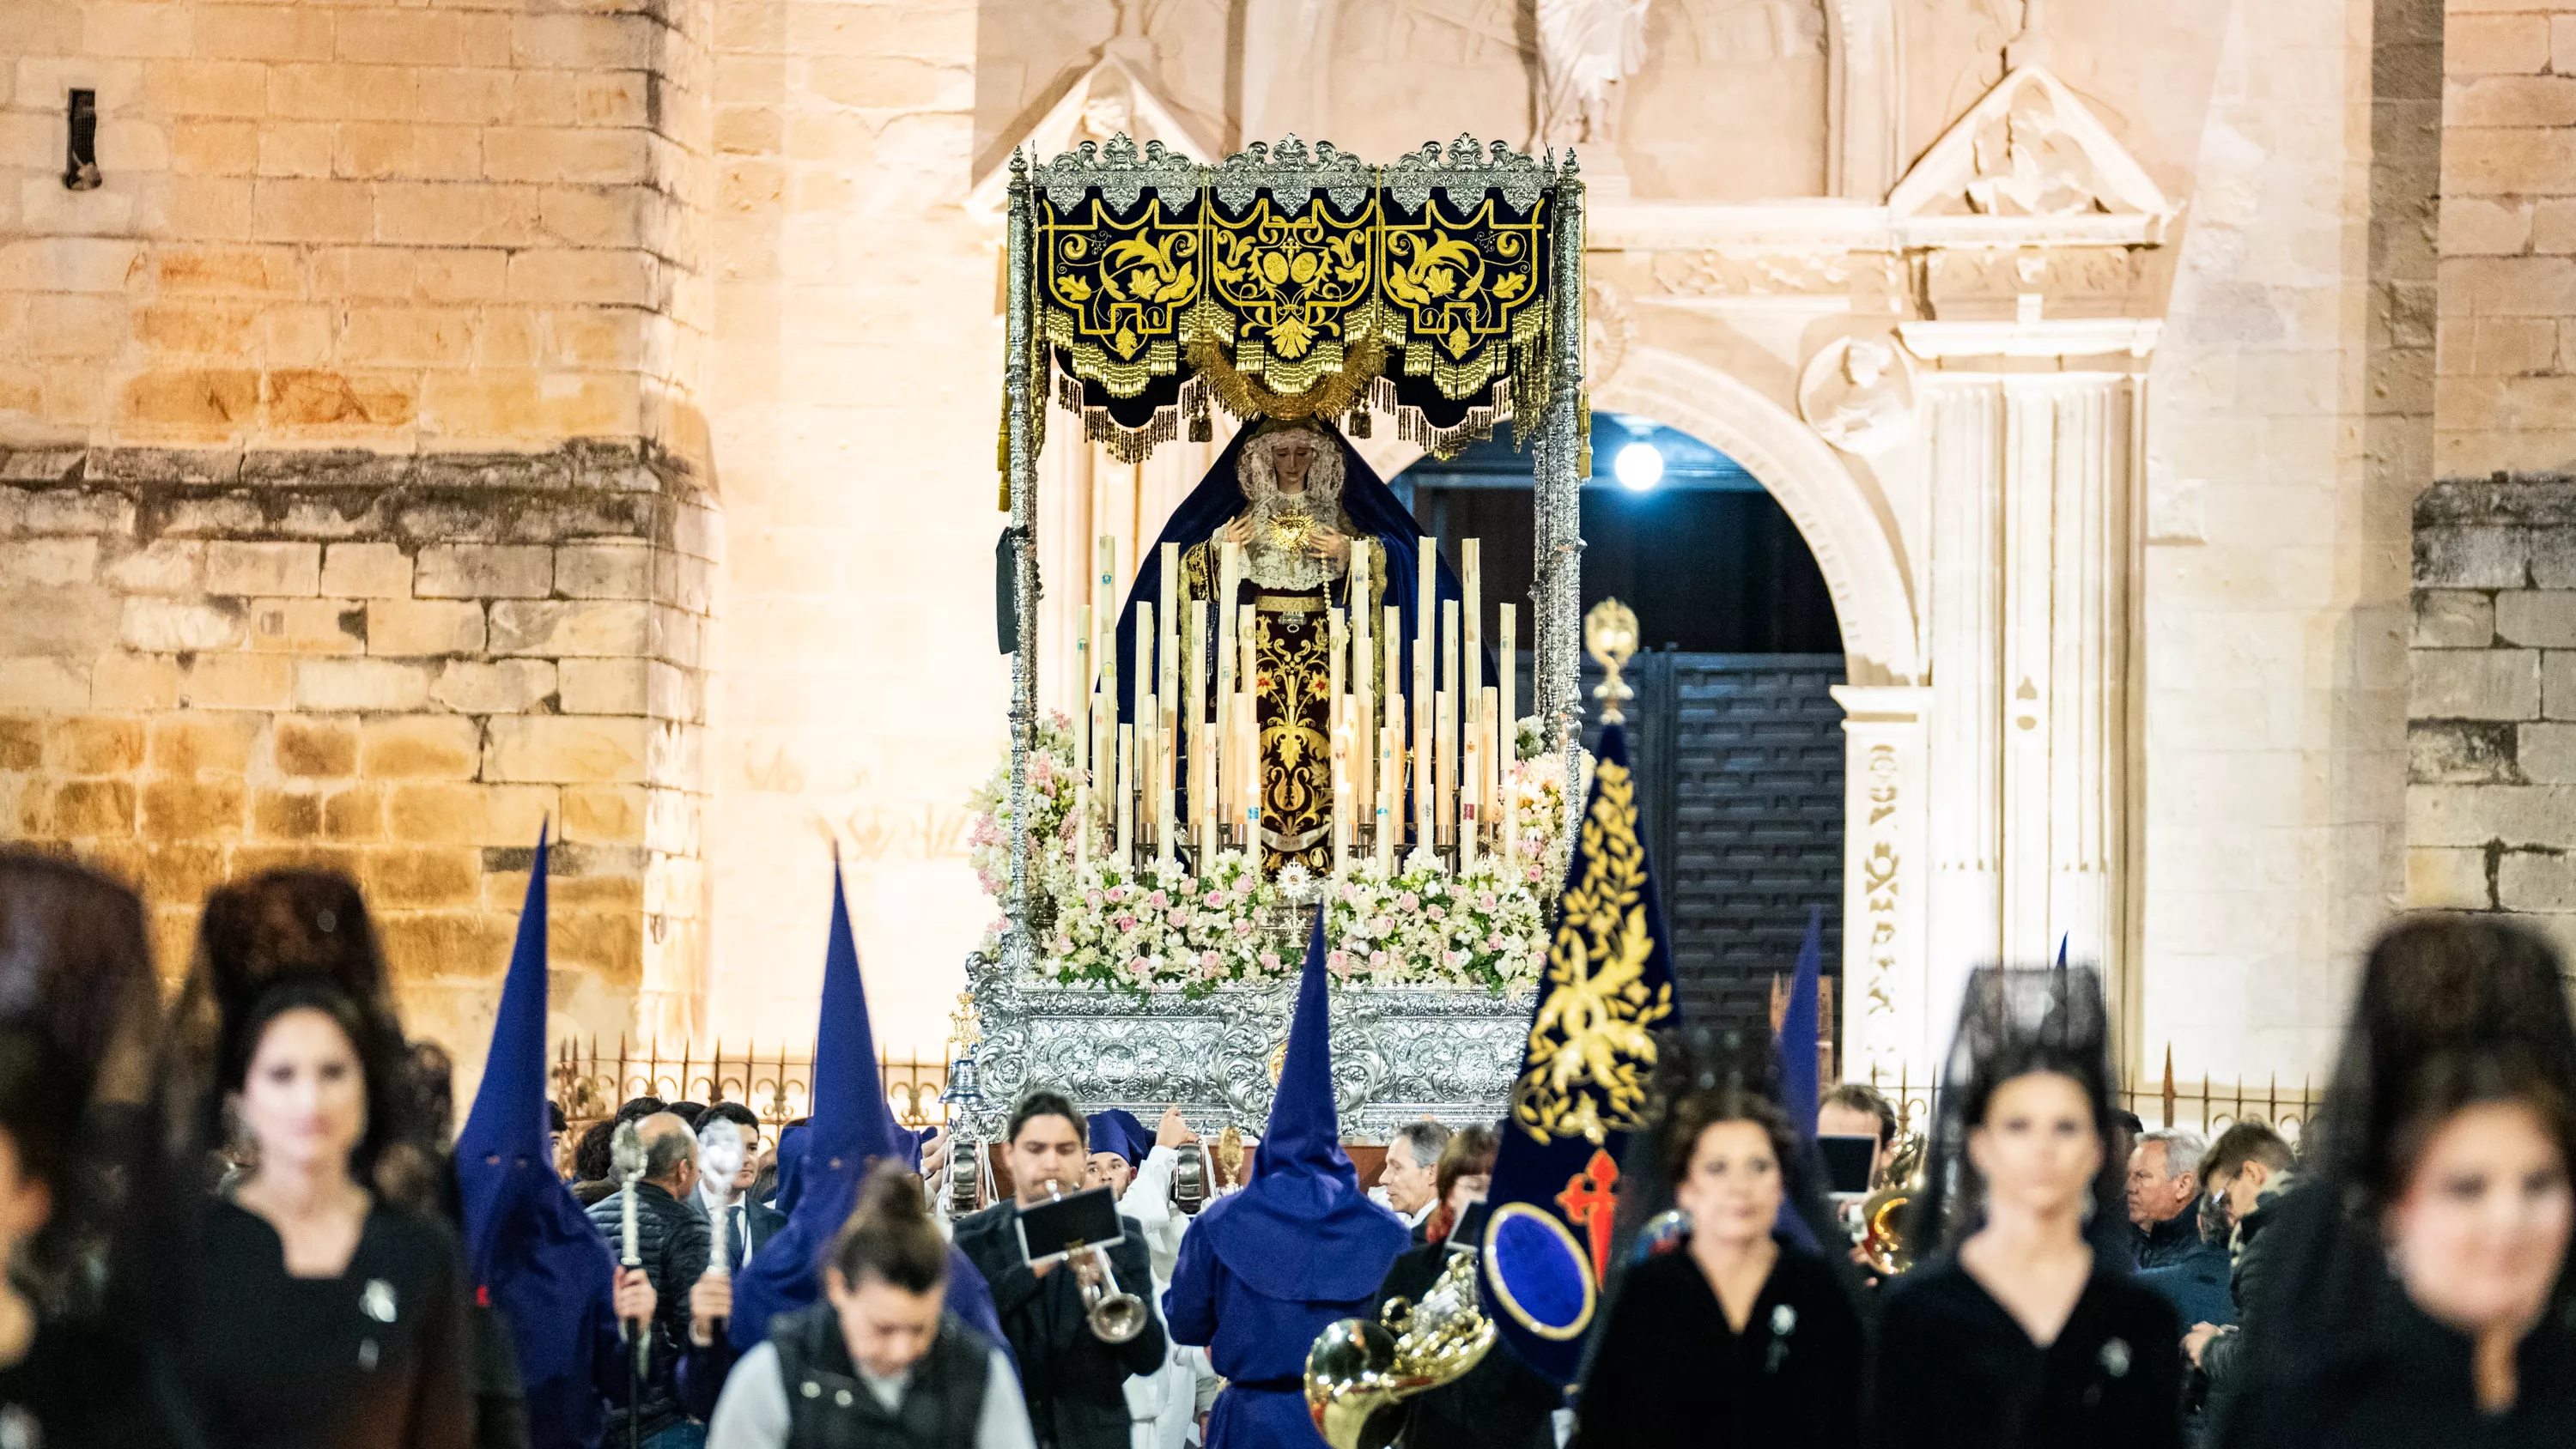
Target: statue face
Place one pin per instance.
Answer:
(1290, 457)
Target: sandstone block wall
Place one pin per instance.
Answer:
(212, 664)
(2508, 356)
(461, 225)
(2491, 777)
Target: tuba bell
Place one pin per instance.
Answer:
(1881, 1230)
(1359, 1373)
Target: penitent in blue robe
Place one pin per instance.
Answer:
(1263, 1272)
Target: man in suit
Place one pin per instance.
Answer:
(1074, 1382)
(738, 1224)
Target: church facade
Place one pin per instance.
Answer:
(428, 422)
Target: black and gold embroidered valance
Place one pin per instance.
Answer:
(1286, 283)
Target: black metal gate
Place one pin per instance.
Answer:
(1739, 759)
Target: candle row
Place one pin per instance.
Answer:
(1434, 759)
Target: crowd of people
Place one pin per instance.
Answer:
(235, 1219)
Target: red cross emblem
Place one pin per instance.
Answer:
(1590, 1199)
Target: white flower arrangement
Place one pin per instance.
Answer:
(1053, 779)
(1163, 928)
(1421, 926)
(1157, 926)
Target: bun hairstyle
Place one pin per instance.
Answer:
(80, 1017)
(890, 1236)
(282, 941)
(1708, 1107)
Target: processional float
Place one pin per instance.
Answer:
(1289, 287)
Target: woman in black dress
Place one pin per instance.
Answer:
(78, 1009)
(2028, 1331)
(1731, 1334)
(2422, 1294)
(312, 1314)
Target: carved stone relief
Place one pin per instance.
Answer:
(1609, 330)
(1858, 394)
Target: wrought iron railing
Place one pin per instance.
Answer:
(591, 1079)
(2208, 1106)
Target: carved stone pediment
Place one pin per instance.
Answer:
(1109, 101)
(2030, 164)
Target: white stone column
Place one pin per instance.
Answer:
(2033, 569)
(1885, 872)
(1964, 746)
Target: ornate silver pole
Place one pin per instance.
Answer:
(1563, 465)
(1018, 388)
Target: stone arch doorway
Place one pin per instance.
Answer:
(1736, 734)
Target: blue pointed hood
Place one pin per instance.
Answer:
(1800, 1092)
(848, 1127)
(532, 1252)
(1302, 1231)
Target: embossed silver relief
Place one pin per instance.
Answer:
(1397, 1053)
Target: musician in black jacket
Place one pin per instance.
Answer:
(672, 1238)
(1074, 1382)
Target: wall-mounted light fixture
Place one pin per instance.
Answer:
(80, 162)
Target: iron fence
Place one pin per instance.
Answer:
(2208, 1106)
(591, 1079)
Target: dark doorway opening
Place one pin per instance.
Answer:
(1734, 735)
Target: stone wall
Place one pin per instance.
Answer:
(375, 225)
(2508, 375)
(2491, 740)
(2288, 431)
(211, 664)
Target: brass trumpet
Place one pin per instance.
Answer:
(1359, 1373)
(1114, 1314)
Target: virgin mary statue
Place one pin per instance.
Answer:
(1303, 503)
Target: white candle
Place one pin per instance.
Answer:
(1507, 673)
(1387, 771)
(1126, 797)
(1143, 709)
(1229, 584)
(1194, 663)
(1248, 722)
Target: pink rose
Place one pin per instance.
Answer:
(1269, 960)
(1377, 960)
(1243, 928)
(1118, 893)
(1178, 917)
(1126, 924)
(1140, 968)
(1189, 885)
(1216, 898)
(1158, 900)
(1408, 903)
(1485, 900)
(1438, 914)
(1453, 959)
(1211, 961)
(1093, 899)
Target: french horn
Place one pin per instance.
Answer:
(1359, 1373)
